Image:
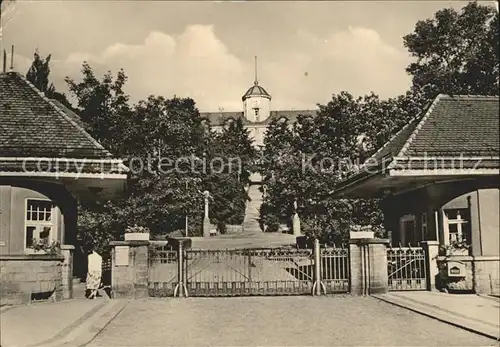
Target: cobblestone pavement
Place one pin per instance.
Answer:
(278, 321)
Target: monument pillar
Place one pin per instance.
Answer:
(296, 221)
(206, 219)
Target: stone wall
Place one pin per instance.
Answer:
(30, 277)
(234, 229)
(482, 274)
(130, 269)
(67, 271)
(368, 266)
(487, 275)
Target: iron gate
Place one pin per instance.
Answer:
(249, 272)
(406, 268)
(335, 269)
(163, 274)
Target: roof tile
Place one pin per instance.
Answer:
(31, 123)
(458, 125)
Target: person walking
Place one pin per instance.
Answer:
(94, 275)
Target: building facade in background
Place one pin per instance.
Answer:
(257, 113)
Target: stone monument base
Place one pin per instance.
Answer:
(207, 226)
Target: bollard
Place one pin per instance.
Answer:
(318, 284)
(181, 288)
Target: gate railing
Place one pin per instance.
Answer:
(246, 272)
(406, 268)
(163, 274)
(334, 267)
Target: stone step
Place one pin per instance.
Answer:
(252, 211)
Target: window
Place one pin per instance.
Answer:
(257, 116)
(456, 227)
(424, 226)
(40, 215)
(407, 230)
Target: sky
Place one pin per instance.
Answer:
(306, 51)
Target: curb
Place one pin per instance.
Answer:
(490, 297)
(440, 315)
(68, 329)
(6, 308)
(89, 328)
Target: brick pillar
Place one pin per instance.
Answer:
(431, 249)
(368, 266)
(356, 259)
(378, 276)
(67, 271)
(129, 270)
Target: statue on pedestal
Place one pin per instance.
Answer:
(206, 219)
(296, 220)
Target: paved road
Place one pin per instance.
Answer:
(278, 321)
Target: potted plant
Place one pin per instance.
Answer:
(463, 286)
(455, 248)
(42, 247)
(136, 233)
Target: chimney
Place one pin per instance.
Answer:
(4, 61)
(12, 58)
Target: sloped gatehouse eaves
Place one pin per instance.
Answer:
(457, 136)
(40, 137)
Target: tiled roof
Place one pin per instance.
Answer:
(396, 143)
(74, 117)
(465, 163)
(457, 125)
(218, 118)
(32, 125)
(450, 127)
(451, 134)
(256, 90)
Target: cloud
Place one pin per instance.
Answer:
(196, 63)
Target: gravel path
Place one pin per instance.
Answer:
(278, 321)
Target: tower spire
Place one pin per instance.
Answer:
(256, 82)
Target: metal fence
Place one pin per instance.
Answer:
(266, 271)
(247, 272)
(406, 268)
(335, 269)
(163, 276)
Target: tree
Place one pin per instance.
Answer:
(456, 52)
(169, 137)
(234, 142)
(275, 158)
(312, 155)
(170, 149)
(103, 107)
(38, 75)
(231, 157)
